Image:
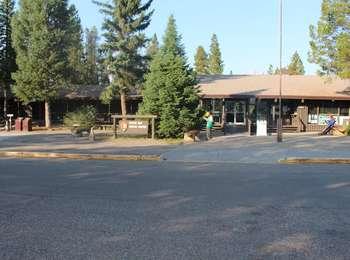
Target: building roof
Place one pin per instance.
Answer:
(83, 92)
(90, 92)
(267, 87)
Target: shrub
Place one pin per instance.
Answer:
(83, 118)
(347, 130)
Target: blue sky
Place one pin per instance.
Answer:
(247, 30)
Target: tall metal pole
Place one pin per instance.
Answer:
(279, 123)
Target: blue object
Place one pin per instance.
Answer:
(331, 122)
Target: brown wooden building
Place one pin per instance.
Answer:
(236, 101)
(69, 101)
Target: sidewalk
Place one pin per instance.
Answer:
(261, 150)
(225, 149)
(64, 142)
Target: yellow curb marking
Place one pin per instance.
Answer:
(106, 157)
(315, 161)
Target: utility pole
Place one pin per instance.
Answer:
(279, 122)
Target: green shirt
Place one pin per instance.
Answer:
(210, 122)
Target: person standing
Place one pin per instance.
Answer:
(210, 124)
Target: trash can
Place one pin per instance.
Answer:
(19, 124)
(27, 125)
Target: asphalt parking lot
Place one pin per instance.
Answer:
(136, 210)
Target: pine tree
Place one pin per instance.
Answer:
(329, 39)
(296, 66)
(201, 61)
(216, 65)
(76, 60)
(169, 90)
(284, 71)
(7, 53)
(124, 25)
(42, 32)
(153, 47)
(343, 56)
(172, 41)
(92, 57)
(271, 71)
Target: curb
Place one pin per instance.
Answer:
(315, 161)
(97, 157)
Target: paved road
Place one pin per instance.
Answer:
(136, 210)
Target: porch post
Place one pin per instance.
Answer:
(115, 127)
(153, 128)
(247, 115)
(223, 119)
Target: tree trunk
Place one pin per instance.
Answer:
(28, 109)
(123, 103)
(47, 115)
(5, 103)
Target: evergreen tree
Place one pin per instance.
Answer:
(216, 65)
(329, 39)
(124, 25)
(153, 47)
(343, 56)
(172, 41)
(285, 71)
(7, 53)
(76, 60)
(92, 57)
(296, 67)
(42, 32)
(169, 90)
(201, 61)
(271, 71)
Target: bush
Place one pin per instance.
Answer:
(82, 119)
(347, 130)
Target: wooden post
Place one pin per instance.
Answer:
(223, 117)
(114, 127)
(47, 114)
(153, 128)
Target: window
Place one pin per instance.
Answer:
(217, 105)
(214, 106)
(344, 111)
(207, 105)
(235, 112)
(329, 110)
(240, 113)
(313, 116)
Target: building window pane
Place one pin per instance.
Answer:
(344, 111)
(217, 105)
(313, 117)
(230, 106)
(239, 107)
(207, 105)
(240, 118)
(230, 118)
(329, 110)
(217, 118)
